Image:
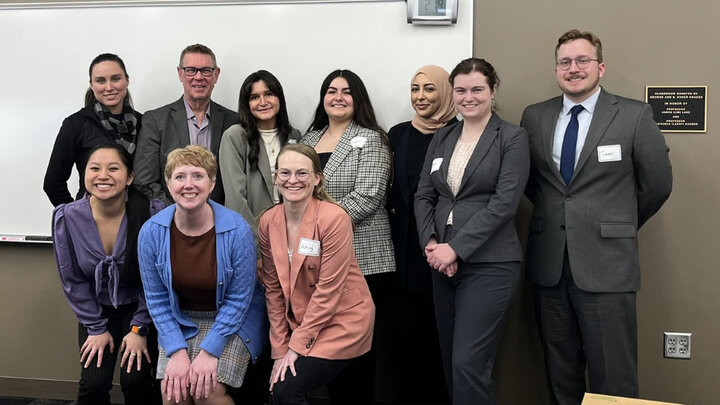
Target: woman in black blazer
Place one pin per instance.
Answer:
(470, 187)
(413, 326)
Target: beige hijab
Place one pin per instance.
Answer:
(439, 77)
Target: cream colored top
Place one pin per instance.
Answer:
(272, 147)
(456, 168)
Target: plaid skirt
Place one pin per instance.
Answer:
(232, 363)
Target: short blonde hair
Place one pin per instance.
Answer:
(193, 155)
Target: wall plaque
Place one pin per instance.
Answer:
(678, 108)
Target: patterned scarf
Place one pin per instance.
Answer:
(126, 130)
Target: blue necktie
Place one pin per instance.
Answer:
(567, 156)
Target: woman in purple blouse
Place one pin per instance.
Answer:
(95, 243)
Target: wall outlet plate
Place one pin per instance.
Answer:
(677, 345)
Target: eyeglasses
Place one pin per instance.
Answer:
(301, 175)
(582, 62)
(192, 71)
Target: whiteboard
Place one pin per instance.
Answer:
(46, 52)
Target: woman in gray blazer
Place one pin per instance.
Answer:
(249, 149)
(356, 161)
(247, 158)
(470, 186)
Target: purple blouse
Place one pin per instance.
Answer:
(90, 277)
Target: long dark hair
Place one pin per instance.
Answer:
(137, 210)
(105, 57)
(247, 120)
(364, 112)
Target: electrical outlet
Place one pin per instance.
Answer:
(677, 345)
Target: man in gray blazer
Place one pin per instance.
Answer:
(193, 119)
(598, 173)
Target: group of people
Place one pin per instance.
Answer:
(198, 234)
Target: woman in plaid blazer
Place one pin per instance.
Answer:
(357, 165)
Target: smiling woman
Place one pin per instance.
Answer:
(95, 242)
(197, 262)
(108, 116)
(319, 305)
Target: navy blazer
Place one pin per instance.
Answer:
(489, 195)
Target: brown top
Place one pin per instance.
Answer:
(194, 269)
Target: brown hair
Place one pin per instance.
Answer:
(576, 34)
(193, 155)
(470, 65)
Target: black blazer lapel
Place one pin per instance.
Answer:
(400, 148)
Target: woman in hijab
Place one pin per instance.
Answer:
(414, 319)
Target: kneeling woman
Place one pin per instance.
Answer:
(197, 261)
(320, 309)
(95, 241)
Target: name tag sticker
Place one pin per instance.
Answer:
(435, 165)
(309, 247)
(609, 153)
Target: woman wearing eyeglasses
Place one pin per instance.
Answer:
(470, 187)
(319, 305)
(356, 163)
(108, 116)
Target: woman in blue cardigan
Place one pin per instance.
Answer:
(197, 261)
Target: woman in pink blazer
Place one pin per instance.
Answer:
(320, 309)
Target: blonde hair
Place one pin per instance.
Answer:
(193, 155)
(319, 191)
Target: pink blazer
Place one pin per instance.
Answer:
(319, 306)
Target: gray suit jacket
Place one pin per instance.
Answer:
(599, 212)
(489, 195)
(358, 178)
(164, 130)
(247, 191)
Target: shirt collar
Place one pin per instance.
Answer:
(189, 112)
(588, 104)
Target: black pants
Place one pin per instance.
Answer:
(356, 384)
(312, 372)
(471, 308)
(138, 387)
(580, 330)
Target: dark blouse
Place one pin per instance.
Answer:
(409, 147)
(194, 269)
(324, 157)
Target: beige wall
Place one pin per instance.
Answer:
(658, 42)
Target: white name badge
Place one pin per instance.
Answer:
(609, 153)
(309, 247)
(435, 165)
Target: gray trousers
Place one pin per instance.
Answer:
(470, 309)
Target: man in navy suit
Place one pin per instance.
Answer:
(193, 119)
(599, 171)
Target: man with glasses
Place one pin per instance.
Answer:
(193, 119)
(599, 171)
